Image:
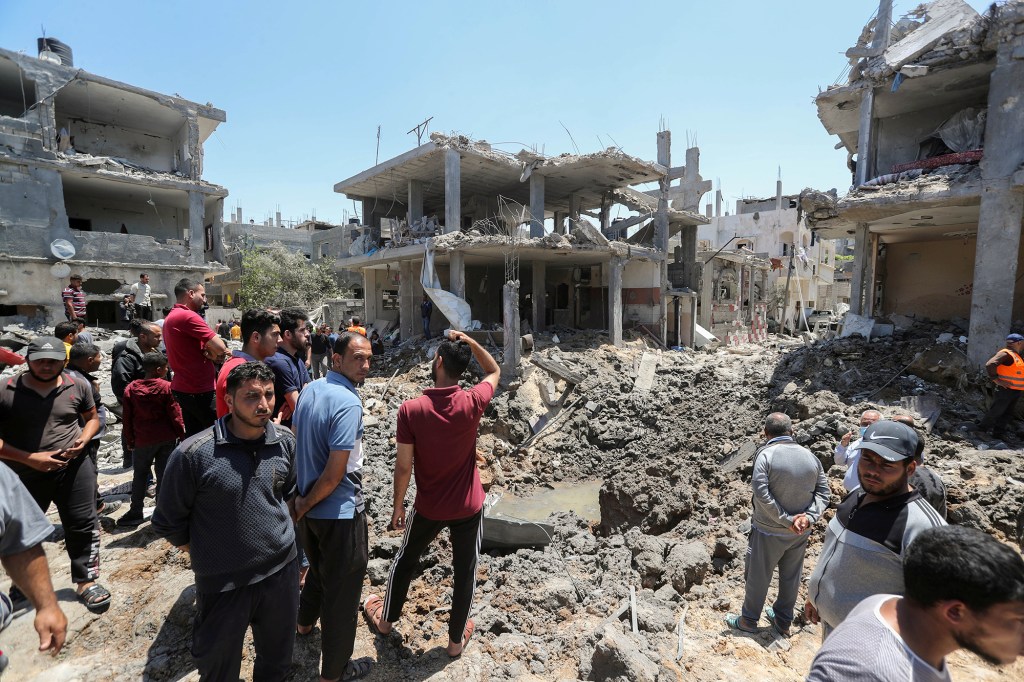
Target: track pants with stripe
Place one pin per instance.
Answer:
(420, 532)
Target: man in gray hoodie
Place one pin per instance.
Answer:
(790, 494)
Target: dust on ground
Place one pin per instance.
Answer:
(673, 467)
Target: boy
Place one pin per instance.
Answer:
(152, 427)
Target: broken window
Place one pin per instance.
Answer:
(390, 299)
(80, 224)
(208, 234)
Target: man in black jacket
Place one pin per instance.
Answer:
(223, 500)
(127, 367)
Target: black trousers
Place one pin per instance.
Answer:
(73, 491)
(197, 410)
(222, 618)
(1001, 412)
(337, 552)
(420, 532)
(145, 457)
(145, 312)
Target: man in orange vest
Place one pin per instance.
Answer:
(1006, 369)
(356, 327)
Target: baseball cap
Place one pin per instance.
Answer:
(1014, 337)
(46, 348)
(890, 440)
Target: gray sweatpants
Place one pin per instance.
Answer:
(764, 554)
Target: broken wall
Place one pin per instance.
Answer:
(107, 214)
(641, 293)
(900, 137)
(104, 139)
(929, 279)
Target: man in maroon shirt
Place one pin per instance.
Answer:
(437, 437)
(192, 348)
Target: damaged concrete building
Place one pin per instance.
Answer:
(932, 119)
(100, 178)
(509, 235)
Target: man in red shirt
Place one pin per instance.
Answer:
(437, 436)
(261, 333)
(192, 348)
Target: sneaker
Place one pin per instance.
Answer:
(129, 521)
(104, 508)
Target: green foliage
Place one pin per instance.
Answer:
(276, 277)
(843, 258)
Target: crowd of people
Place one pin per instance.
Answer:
(257, 459)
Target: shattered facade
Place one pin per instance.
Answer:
(113, 170)
(482, 213)
(933, 122)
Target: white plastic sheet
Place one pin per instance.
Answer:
(455, 309)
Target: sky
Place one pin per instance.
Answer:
(306, 85)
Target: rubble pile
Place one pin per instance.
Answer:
(672, 458)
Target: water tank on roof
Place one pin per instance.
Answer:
(54, 46)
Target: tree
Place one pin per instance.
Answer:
(273, 276)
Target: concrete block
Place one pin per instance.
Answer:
(857, 324)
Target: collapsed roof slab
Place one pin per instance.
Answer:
(488, 172)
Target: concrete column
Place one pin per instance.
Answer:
(371, 298)
(870, 283)
(718, 203)
(606, 215)
(688, 244)
(615, 301)
(999, 218)
(452, 191)
(415, 202)
(511, 327)
(457, 273)
(196, 233)
(866, 138)
(707, 294)
(368, 211)
(861, 257)
(559, 222)
(540, 270)
(661, 230)
(218, 231)
(409, 322)
(574, 206)
(536, 204)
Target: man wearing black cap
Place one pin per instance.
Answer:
(872, 527)
(45, 445)
(1006, 369)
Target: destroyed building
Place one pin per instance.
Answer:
(509, 235)
(100, 178)
(933, 123)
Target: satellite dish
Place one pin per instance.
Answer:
(62, 249)
(60, 270)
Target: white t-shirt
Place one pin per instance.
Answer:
(865, 648)
(141, 292)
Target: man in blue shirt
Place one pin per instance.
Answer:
(289, 363)
(329, 508)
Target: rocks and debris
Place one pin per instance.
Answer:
(673, 469)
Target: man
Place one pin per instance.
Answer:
(426, 308)
(964, 590)
(128, 365)
(223, 329)
(235, 331)
(143, 298)
(437, 435)
(23, 527)
(356, 327)
(1006, 370)
(74, 298)
(82, 336)
(329, 508)
(192, 348)
(223, 500)
(790, 494)
(67, 332)
(289, 363)
(85, 361)
(871, 529)
(924, 480)
(47, 419)
(847, 454)
(261, 330)
(319, 352)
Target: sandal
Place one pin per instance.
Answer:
(466, 634)
(356, 668)
(96, 598)
(736, 623)
(373, 609)
(776, 625)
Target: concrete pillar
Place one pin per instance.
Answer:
(371, 298)
(999, 218)
(536, 205)
(511, 327)
(540, 271)
(218, 231)
(718, 203)
(615, 301)
(409, 321)
(415, 201)
(707, 295)
(574, 206)
(861, 257)
(606, 215)
(457, 273)
(661, 231)
(870, 283)
(866, 138)
(452, 191)
(196, 233)
(688, 256)
(368, 205)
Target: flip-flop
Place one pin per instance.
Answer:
(734, 622)
(96, 598)
(782, 631)
(467, 633)
(373, 609)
